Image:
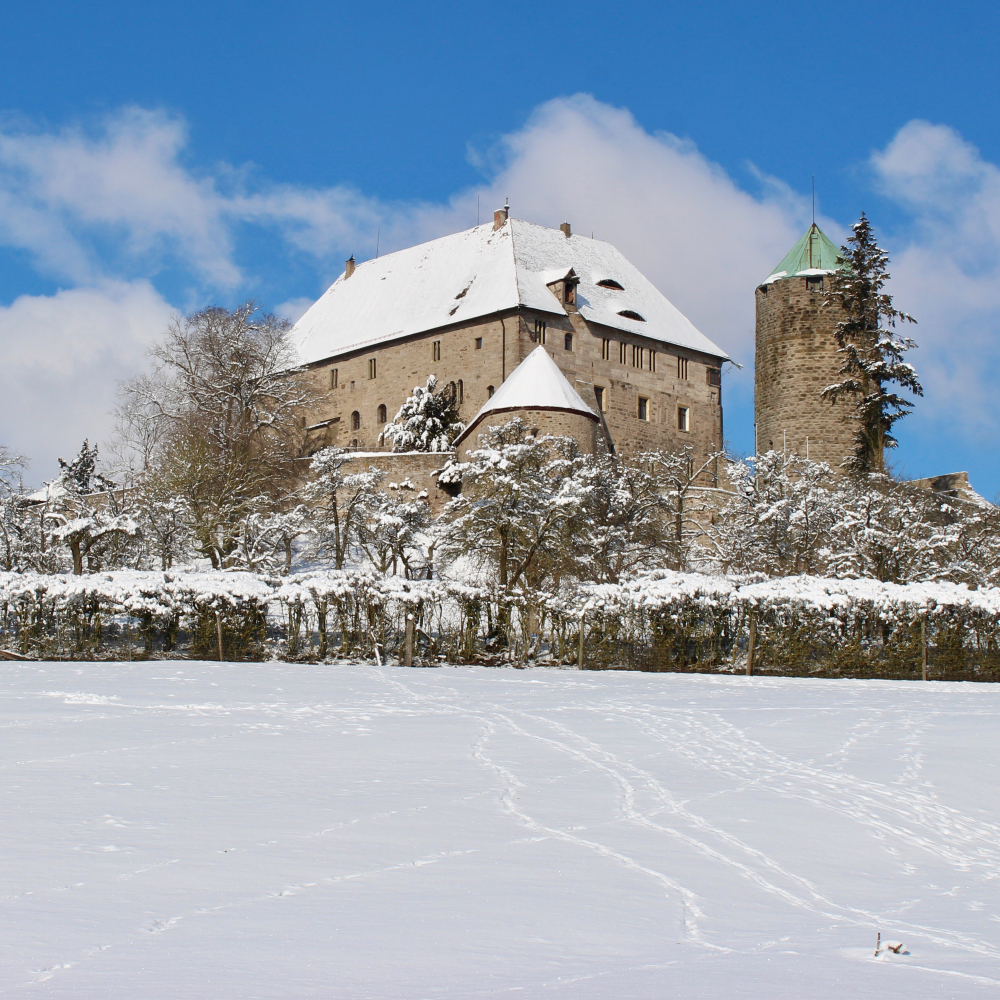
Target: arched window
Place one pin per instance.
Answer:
(453, 391)
(354, 443)
(568, 342)
(355, 421)
(461, 391)
(489, 391)
(381, 413)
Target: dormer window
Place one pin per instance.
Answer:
(569, 292)
(610, 283)
(631, 314)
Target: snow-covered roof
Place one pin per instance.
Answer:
(482, 271)
(535, 384)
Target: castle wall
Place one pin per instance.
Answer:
(796, 359)
(582, 429)
(506, 340)
(420, 468)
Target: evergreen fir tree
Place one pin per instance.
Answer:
(427, 421)
(81, 476)
(871, 354)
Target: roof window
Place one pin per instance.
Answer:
(610, 283)
(631, 314)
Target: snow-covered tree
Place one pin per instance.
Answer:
(266, 540)
(688, 490)
(623, 530)
(339, 501)
(779, 518)
(217, 423)
(521, 505)
(890, 531)
(391, 529)
(870, 352)
(427, 420)
(80, 476)
(86, 531)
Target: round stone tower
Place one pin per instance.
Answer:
(796, 357)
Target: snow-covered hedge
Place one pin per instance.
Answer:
(660, 621)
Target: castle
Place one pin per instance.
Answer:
(471, 307)
(516, 319)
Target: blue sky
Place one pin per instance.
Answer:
(160, 160)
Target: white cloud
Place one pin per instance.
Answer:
(99, 205)
(948, 272)
(64, 355)
(60, 192)
(680, 218)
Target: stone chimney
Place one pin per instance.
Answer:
(500, 217)
(566, 231)
(349, 266)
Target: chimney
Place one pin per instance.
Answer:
(349, 266)
(566, 231)
(500, 217)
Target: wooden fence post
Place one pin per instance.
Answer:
(579, 653)
(923, 647)
(408, 649)
(751, 642)
(218, 634)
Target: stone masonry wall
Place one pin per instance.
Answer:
(505, 340)
(582, 429)
(796, 360)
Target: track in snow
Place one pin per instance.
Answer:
(267, 830)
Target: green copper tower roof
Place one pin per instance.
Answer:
(812, 254)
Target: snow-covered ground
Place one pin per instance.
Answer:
(196, 830)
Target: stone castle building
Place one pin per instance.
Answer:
(796, 357)
(471, 307)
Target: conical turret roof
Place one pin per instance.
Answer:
(813, 254)
(535, 384)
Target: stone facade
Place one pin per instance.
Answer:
(361, 389)
(796, 359)
(419, 467)
(586, 432)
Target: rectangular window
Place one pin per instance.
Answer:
(540, 331)
(683, 418)
(372, 370)
(682, 368)
(643, 408)
(568, 342)
(622, 352)
(605, 349)
(714, 376)
(479, 343)
(652, 360)
(333, 378)
(436, 350)
(602, 401)
(636, 356)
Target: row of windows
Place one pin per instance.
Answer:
(683, 414)
(381, 414)
(643, 410)
(640, 357)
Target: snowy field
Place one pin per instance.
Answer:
(196, 830)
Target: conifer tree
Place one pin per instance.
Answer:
(871, 353)
(427, 420)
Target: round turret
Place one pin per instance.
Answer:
(796, 357)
